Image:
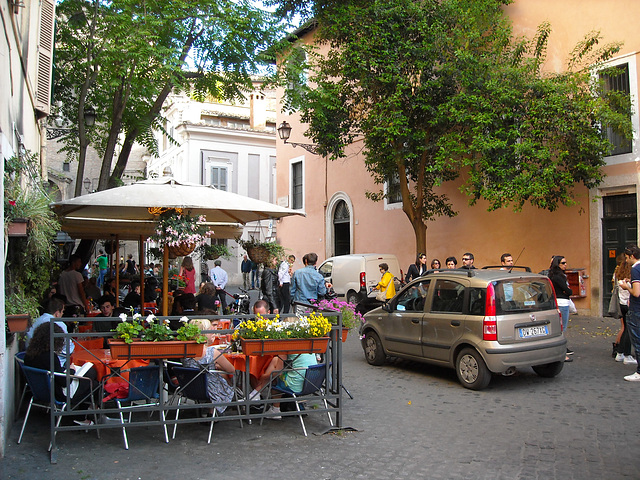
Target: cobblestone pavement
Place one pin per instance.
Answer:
(412, 421)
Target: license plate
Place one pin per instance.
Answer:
(529, 332)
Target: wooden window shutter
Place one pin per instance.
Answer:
(45, 56)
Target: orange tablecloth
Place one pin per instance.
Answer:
(257, 364)
(102, 361)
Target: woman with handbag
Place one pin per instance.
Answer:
(560, 283)
(622, 347)
(386, 289)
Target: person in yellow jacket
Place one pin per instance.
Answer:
(386, 282)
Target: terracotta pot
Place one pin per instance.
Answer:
(18, 323)
(169, 349)
(181, 250)
(18, 228)
(284, 346)
(345, 332)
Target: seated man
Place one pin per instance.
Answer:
(106, 303)
(55, 307)
(133, 297)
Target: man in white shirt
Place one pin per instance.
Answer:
(284, 281)
(219, 278)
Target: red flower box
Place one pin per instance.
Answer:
(145, 350)
(284, 346)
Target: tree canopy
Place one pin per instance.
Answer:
(124, 57)
(437, 87)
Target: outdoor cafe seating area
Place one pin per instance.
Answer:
(161, 392)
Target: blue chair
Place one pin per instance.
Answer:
(19, 357)
(313, 383)
(39, 382)
(192, 385)
(143, 387)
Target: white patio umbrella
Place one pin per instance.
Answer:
(131, 211)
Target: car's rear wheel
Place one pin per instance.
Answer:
(549, 370)
(471, 370)
(352, 297)
(373, 351)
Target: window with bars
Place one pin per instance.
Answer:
(297, 190)
(617, 81)
(393, 189)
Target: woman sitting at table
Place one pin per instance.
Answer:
(218, 387)
(37, 356)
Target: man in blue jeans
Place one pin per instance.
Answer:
(632, 254)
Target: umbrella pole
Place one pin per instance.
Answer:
(165, 281)
(141, 265)
(117, 271)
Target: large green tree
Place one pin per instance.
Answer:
(437, 87)
(125, 56)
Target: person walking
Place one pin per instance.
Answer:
(189, 273)
(623, 341)
(307, 283)
(632, 285)
(103, 267)
(560, 283)
(245, 268)
(269, 286)
(255, 280)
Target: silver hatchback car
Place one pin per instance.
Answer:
(476, 321)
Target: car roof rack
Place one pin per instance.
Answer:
(510, 269)
(469, 272)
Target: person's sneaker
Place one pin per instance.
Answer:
(569, 351)
(633, 378)
(274, 410)
(629, 360)
(620, 357)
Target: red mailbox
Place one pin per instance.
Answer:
(576, 277)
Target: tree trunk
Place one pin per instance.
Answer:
(420, 231)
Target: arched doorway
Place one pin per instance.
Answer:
(341, 229)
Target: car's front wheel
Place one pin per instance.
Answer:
(471, 370)
(373, 351)
(549, 370)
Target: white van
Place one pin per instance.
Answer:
(353, 275)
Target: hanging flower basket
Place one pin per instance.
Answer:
(181, 250)
(110, 247)
(284, 346)
(145, 350)
(258, 254)
(18, 323)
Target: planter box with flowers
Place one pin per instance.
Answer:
(180, 232)
(263, 336)
(150, 338)
(350, 318)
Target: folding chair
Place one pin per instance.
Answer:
(20, 362)
(143, 386)
(313, 383)
(192, 385)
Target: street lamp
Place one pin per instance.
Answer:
(59, 131)
(87, 184)
(284, 131)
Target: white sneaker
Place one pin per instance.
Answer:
(619, 357)
(633, 378)
(629, 360)
(277, 411)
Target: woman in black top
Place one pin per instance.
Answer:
(269, 285)
(560, 283)
(37, 356)
(417, 269)
(206, 298)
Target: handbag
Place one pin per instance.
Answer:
(614, 304)
(381, 296)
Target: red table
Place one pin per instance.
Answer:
(257, 364)
(103, 363)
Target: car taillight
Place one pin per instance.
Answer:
(363, 280)
(489, 322)
(555, 300)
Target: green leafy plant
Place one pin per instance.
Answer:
(19, 302)
(128, 330)
(273, 249)
(213, 251)
(189, 332)
(157, 330)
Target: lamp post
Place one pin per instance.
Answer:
(284, 131)
(87, 184)
(58, 131)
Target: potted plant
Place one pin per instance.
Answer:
(266, 336)
(150, 338)
(350, 318)
(180, 232)
(261, 252)
(215, 250)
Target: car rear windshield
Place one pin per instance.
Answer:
(523, 295)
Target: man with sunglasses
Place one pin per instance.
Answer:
(467, 261)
